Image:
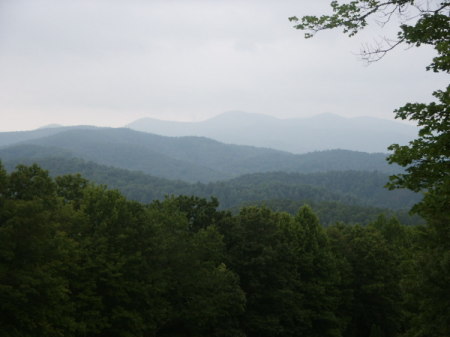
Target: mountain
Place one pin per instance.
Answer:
(350, 196)
(183, 158)
(13, 137)
(296, 135)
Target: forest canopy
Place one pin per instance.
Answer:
(81, 260)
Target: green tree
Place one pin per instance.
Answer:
(34, 257)
(317, 268)
(144, 271)
(200, 212)
(30, 182)
(286, 271)
(203, 296)
(369, 281)
(3, 180)
(254, 252)
(427, 158)
(71, 188)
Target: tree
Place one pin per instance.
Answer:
(431, 26)
(203, 296)
(34, 257)
(370, 292)
(200, 212)
(427, 158)
(286, 271)
(317, 267)
(30, 182)
(71, 188)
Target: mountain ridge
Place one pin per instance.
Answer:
(296, 135)
(187, 158)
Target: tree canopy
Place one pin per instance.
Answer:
(81, 260)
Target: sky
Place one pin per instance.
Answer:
(110, 62)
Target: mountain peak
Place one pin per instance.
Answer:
(296, 135)
(51, 126)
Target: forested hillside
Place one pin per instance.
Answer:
(13, 137)
(340, 183)
(340, 195)
(80, 260)
(186, 158)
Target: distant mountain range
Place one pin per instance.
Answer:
(344, 185)
(14, 137)
(296, 135)
(189, 159)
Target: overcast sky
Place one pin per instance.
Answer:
(110, 62)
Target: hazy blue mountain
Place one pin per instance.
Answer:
(51, 126)
(296, 135)
(9, 138)
(187, 158)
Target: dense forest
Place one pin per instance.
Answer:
(78, 259)
(192, 159)
(349, 196)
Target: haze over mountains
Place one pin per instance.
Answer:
(190, 159)
(343, 183)
(296, 135)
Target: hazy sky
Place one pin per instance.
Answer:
(109, 62)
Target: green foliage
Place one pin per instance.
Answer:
(286, 272)
(71, 188)
(28, 183)
(370, 279)
(354, 190)
(80, 260)
(200, 212)
(317, 268)
(34, 257)
(432, 26)
(330, 212)
(427, 158)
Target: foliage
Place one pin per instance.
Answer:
(430, 27)
(427, 158)
(331, 213)
(370, 279)
(286, 271)
(34, 257)
(81, 260)
(348, 196)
